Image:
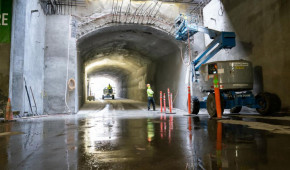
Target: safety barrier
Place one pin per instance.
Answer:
(170, 102)
(163, 104)
(164, 101)
(189, 101)
(217, 96)
(161, 108)
(8, 114)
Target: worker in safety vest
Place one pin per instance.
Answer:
(110, 88)
(150, 93)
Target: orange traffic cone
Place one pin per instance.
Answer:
(9, 114)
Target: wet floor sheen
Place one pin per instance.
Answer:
(122, 134)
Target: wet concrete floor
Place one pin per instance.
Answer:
(122, 134)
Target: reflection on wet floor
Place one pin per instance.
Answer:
(112, 137)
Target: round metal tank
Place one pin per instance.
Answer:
(233, 75)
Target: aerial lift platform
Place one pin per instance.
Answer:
(235, 77)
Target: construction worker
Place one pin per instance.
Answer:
(110, 88)
(150, 93)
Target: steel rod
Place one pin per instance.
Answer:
(113, 11)
(140, 12)
(133, 17)
(144, 13)
(151, 11)
(128, 12)
(157, 12)
(121, 11)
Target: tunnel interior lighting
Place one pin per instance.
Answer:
(97, 84)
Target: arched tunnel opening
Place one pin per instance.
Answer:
(100, 79)
(55, 54)
(131, 56)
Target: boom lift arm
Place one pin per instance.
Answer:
(233, 98)
(221, 40)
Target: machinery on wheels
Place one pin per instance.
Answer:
(91, 98)
(235, 77)
(108, 93)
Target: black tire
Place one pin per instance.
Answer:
(236, 109)
(195, 106)
(211, 106)
(265, 102)
(103, 97)
(113, 97)
(276, 102)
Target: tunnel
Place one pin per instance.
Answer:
(219, 70)
(133, 56)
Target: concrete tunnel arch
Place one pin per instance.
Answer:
(143, 54)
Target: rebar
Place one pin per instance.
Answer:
(116, 10)
(133, 17)
(128, 11)
(121, 11)
(143, 15)
(151, 11)
(140, 11)
(157, 12)
(113, 11)
(60, 7)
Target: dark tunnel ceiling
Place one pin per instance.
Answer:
(146, 40)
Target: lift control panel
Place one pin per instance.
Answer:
(212, 69)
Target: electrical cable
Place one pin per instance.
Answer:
(186, 64)
(67, 65)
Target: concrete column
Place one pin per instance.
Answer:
(27, 55)
(17, 55)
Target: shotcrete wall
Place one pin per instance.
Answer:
(59, 65)
(174, 72)
(262, 29)
(130, 68)
(134, 87)
(44, 52)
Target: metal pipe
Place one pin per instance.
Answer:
(28, 96)
(34, 101)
